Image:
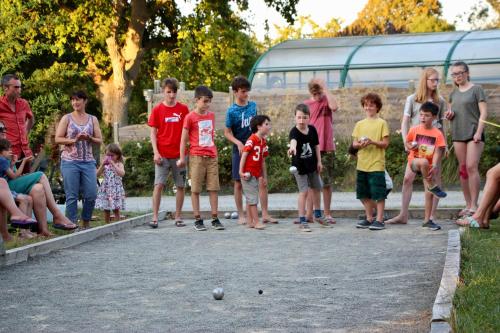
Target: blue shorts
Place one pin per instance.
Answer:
(235, 162)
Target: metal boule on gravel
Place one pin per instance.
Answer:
(218, 293)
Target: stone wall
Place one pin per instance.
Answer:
(279, 105)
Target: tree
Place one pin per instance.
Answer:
(305, 27)
(482, 15)
(401, 15)
(108, 39)
(210, 49)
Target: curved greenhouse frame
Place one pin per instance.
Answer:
(391, 60)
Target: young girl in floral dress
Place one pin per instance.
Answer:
(111, 195)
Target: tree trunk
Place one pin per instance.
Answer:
(114, 101)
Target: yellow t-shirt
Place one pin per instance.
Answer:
(371, 158)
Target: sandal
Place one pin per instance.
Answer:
(330, 219)
(468, 221)
(179, 223)
(270, 220)
(153, 224)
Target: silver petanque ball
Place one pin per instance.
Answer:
(218, 293)
(227, 215)
(234, 215)
(293, 170)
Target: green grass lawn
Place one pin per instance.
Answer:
(476, 306)
(96, 222)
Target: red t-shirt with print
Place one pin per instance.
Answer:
(168, 121)
(257, 150)
(201, 129)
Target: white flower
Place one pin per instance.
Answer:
(139, 145)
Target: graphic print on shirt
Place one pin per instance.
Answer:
(245, 122)
(175, 119)
(205, 129)
(255, 150)
(426, 145)
(306, 150)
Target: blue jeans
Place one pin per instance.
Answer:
(79, 177)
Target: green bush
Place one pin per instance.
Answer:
(140, 169)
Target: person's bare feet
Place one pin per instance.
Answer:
(259, 226)
(397, 220)
(242, 220)
(46, 233)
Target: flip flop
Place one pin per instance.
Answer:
(464, 212)
(23, 223)
(153, 224)
(270, 220)
(179, 223)
(64, 226)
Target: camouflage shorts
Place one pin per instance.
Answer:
(328, 161)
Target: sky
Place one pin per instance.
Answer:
(321, 11)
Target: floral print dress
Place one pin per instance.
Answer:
(111, 195)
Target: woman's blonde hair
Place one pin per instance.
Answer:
(421, 94)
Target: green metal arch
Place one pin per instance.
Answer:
(450, 54)
(252, 71)
(343, 74)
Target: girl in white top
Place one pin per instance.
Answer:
(427, 91)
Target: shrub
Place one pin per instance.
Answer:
(140, 169)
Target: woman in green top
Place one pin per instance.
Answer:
(468, 107)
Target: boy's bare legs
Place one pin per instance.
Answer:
(214, 202)
(369, 205)
(435, 200)
(195, 201)
(263, 201)
(303, 196)
(316, 198)
(238, 200)
(309, 206)
(428, 203)
(461, 153)
(179, 203)
(327, 200)
(157, 191)
(380, 209)
(407, 190)
(474, 151)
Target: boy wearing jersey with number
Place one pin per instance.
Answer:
(252, 166)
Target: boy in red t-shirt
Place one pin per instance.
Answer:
(199, 129)
(166, 122)
(426, 144)
(253, 166)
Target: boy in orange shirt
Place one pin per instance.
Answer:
(426, 144)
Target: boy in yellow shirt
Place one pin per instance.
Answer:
(371, 138)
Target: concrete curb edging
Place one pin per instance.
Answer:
(23, 253)
(441, 311)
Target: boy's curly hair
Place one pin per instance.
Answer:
(372, 98)
(240, 82)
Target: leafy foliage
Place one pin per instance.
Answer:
(398, 16)
(305, 27)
